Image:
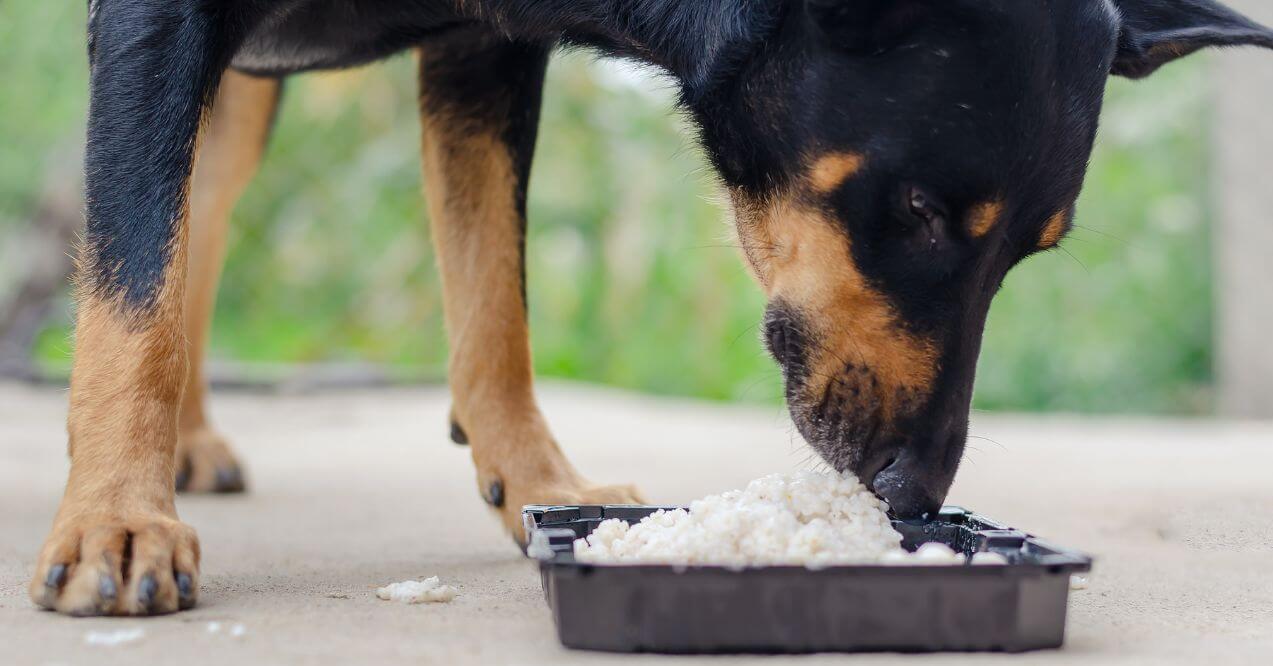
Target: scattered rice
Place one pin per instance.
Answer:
(115, 637)
(236, 630)
(427, 591)
(809, 519)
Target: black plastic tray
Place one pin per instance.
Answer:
(699, 609)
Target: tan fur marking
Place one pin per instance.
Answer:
(233, 143)
(983, 217)
(471, 187)
(800, 258)
(1054, 230)
(1167, 50)
(476, 234)
(830, 171)
(126, 382)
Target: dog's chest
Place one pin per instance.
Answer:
(294, 35)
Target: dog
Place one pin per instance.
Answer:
(888, 161)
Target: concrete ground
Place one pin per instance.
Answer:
(354, 490)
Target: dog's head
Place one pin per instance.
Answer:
(889, 161)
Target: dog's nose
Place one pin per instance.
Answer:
(904, 485)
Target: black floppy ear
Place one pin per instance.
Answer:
(865, 26)
(1156, 32)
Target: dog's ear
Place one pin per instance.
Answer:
(1156, 32)
(865, 26)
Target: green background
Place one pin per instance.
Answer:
(633, 278)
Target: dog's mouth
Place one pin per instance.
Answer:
(838, 415)
(846, 423)
(901, 444)
(862, 402)
(896, 459)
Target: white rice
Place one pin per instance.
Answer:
(427, 591)
(114, 637)
(988, 559)
(806, 519)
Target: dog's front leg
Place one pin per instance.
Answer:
(480, 98)
(117, 546)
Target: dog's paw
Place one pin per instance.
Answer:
(509, 495)
(205, 464)
(145, 564)
(519, 462)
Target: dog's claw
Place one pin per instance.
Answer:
(106, 588)
(458, 435)
(495, 494)
(146, 590)
(183, 477)
(56, 577)
(185, 590)
(229, 480)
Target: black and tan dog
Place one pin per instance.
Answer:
(888, 161)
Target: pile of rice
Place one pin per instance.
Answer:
(808, 519)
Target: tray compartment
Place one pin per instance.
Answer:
(652, 608)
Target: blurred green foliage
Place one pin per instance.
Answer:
(634, 280)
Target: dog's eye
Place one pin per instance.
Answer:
(923, 206)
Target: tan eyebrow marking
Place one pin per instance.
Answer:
(983, 217)
(831, 170)
(1054, 230)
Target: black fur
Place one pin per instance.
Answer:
(966, 101)
(1155, 32)
(154, 69)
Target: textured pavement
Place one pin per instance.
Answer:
(354, 490)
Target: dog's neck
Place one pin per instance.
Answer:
(697, 41)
